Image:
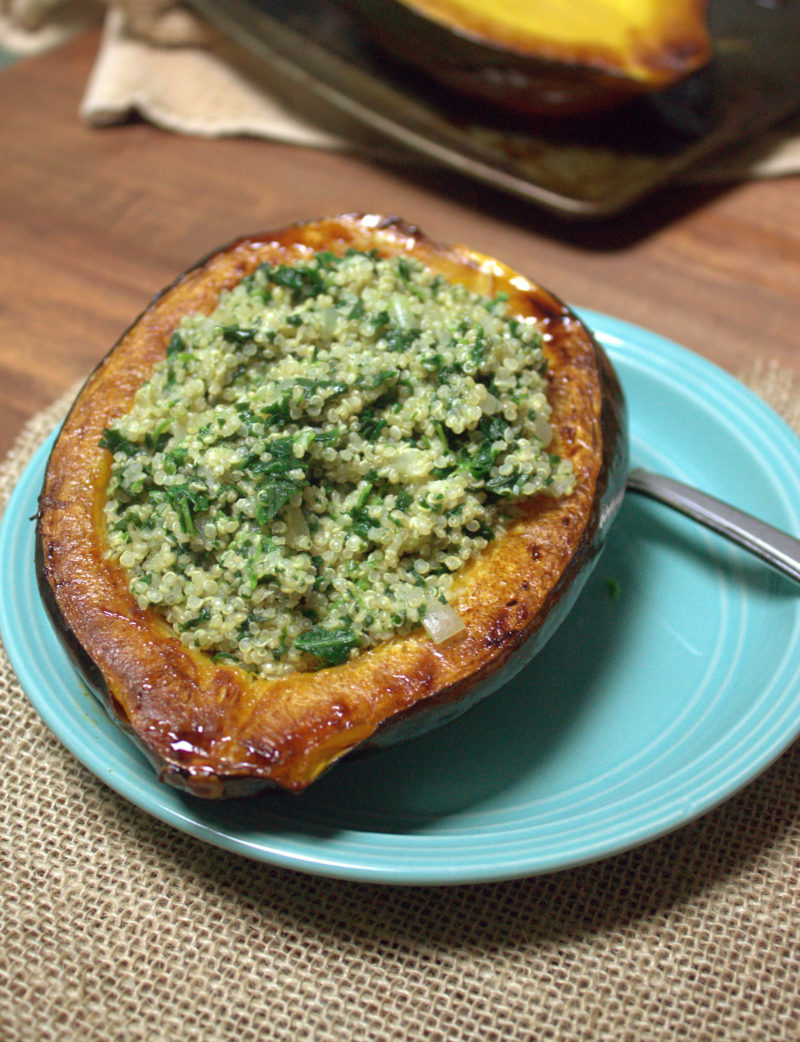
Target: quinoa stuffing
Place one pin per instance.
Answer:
(308, 469)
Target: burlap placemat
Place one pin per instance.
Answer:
(116, 927)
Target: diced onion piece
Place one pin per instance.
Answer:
(413, 463)
(330, 316)
(490, 405)
(543, 430)
(400, 312)
(296, 524)
(442, 622)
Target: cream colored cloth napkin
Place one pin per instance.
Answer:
(33, 26)
(161, 61)
(201, 90)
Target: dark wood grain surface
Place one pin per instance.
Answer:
(94, 222)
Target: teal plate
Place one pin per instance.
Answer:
(674, 681)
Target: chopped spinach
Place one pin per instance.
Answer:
(399, 339)
(504, 486)
(188, 503)
(203, 616)
(116, 442)
(370, 423)
(176, 345)
(272, 497)
(324, 388)
(302, 283)
(331, 645)
(237, 334)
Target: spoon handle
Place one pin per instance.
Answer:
(777, 548)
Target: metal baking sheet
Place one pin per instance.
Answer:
(581, 167)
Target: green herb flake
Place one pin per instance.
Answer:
(176, 345)
(273, 495)
(237, 335)
(332, 646)
(116, 442)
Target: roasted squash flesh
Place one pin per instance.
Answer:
(648, 40)
(215, 729)
(544, 57)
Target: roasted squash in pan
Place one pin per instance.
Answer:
(541, 57)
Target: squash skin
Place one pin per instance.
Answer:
(537, 73)
(213, 730)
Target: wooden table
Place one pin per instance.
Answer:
(115, 925)
(93, 222)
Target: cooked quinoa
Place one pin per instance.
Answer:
(311, 465)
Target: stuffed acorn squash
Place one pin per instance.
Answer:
(335, 484)
(540, 57)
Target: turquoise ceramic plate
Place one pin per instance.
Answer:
(674, 681)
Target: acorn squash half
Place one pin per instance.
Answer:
(540, 56)
(214, 729)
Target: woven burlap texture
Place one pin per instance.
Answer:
(116, 927)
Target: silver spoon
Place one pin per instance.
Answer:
(777, 548)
